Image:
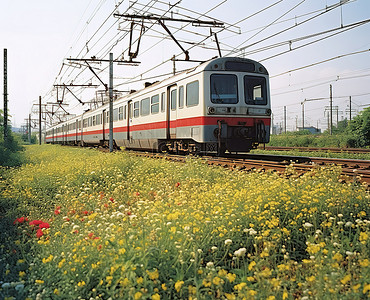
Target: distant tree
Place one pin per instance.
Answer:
(359, 130)
(10, 149)
(341, 127)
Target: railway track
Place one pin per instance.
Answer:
(315, 149)
(354, 169)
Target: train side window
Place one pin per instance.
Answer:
(98, 119)
(224, 89)
(136, 109)
(120, 113)
(84, 123)
(173, 99)
(115, 114)
(192, 93)
(154, 104)
(94, 121)
(107, 117)
(145, 106)
(163, 102)
(125, 113)
(181, 96)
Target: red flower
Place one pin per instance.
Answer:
(39, 233)
(57, 211)
(91, 234)
(85, 212)
(20, 220)
(128, 213)
(177, 184)
(44, 225)
(35, 222)
(111, 199)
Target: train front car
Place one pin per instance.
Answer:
(237, 105)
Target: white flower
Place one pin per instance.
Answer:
(340, 215)
(307, 225)
(228, 242)
(252, 231)
(200, 251)
(348, 224)
(240, 252)
(349, 253)
(214, 248)
(210, 264)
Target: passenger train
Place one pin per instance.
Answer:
(220, 105)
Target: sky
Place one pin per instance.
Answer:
(286, 36)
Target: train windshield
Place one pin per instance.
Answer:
(224, 88)
(255, 90)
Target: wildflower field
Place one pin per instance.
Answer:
(82, 224)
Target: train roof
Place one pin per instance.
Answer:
(235, 64)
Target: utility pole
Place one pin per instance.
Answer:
(110, 102)
(29, 129)
(303, 114)
(284, 119)
(39, 120)
(350, 108)
(5, 96)
(331, 111)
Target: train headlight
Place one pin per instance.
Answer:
(211, 110)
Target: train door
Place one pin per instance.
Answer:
(76, 140)
(129, 118)
(171, 111)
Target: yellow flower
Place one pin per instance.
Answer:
(231, 277)
(222, 273)
(251, 265)
(137, 295)
(153, 274)
(140, 280)
(21, 273)
(366, 288)
(364, 263)
(81, 283)
(271, 298)
(39, 281)
(178, 285)
(156, 297)
(192, 290)
(216, 280)
(240, 286)
(285, 295)
(363, 237)
(338, 257)
(230, 296)
(311, 278)
(164, 286)
(56, 292)
(346, 279)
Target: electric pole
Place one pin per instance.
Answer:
(5, 96)
(39, 120)
(284, 119)
(29, 129)
(331, 111)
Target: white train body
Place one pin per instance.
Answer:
(223, 104)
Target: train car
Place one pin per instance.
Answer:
(221, 105)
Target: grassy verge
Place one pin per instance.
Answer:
(91, 225)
